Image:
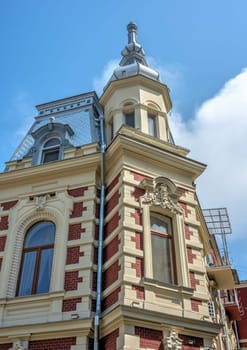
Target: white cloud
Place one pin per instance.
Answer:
(100, 81)
(217, 136)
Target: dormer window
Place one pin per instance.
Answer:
(51, 150)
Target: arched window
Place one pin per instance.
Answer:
(51, 150)
(152, 124)
(36, 263)
(129, 114)
(162, 248)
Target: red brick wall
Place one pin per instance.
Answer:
(78, 209)
(139, 177)
(191, 256)
(8, 205)
(140, 293)
(109, 342)
(77, 192)
(242, 325)
(193, 281)
(110, 299)
(5, 346)
(137, 193)
(150, 338)
(75, 231)
(139, 267)
(137, 216)
(113, 183)
(112, 202)
(73, 255)
(4, 223)
(187, 232)
(111, 249)
(110, 275)
(2, 243)
(138, 239)
(52, 344)
(70, 304)
(185, 208)
(195, 304)
(112, 224)
(71, 280)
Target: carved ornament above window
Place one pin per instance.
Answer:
(162, 192)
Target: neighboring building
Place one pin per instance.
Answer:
(80, 210)
(242, 323)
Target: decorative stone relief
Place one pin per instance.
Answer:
(172, 341)
(40, 202)
(162, 192)
(19, 345)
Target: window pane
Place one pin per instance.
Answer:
(40, 234)
(130, 119)
(45, 271)
(162, 259)
(50, 155)
(159, 225)
(51, 143)
(152, 128)
(26, 281)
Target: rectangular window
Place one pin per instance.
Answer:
(162, 250)
(152, 127)
(130, 119)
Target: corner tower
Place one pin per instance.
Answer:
(135, 96)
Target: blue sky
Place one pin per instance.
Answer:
(53, 49)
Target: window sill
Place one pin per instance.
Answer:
(162, 287)
(32, 298)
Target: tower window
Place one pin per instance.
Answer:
(36, 263)
(162, 250)
(152, 125)
(130, 119)
(51, 150)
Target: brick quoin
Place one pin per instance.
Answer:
(52, 344)
(73, 255)
(2, 243)
(71, 280)
(110, 299)
(138, 239)
(4, 223)
(8, 205)
(195, 304)
(113, 183)
(111, 249)
(110, 275)
(187, 232)
(78, 209)
(109, 342)
(150, 338)
(140, 292)
(139, 267)
(193, 281)
(112, 202)
(112, 224)
(137, 193)
(185, 208)
(5, 346)
(70, 304)
(77, 192)
(138, 177)
(137, 216)
(75, 231)
(191, 256)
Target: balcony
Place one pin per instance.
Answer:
(223, 276)
(231, 305)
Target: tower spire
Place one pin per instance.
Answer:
(133, 51)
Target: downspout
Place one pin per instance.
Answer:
(101, 232)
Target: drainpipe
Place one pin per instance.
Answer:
(101, 231)
(222, 315)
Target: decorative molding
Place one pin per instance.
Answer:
(172, 341)
(19, 345)
(162, 192)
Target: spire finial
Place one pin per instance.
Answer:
(133, 51)
(132, 33)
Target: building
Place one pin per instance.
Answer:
(103, 242)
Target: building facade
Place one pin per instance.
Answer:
(103, 244)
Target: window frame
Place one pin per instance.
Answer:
(38, 249)
(50, 149)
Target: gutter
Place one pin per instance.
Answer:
(101, 234)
